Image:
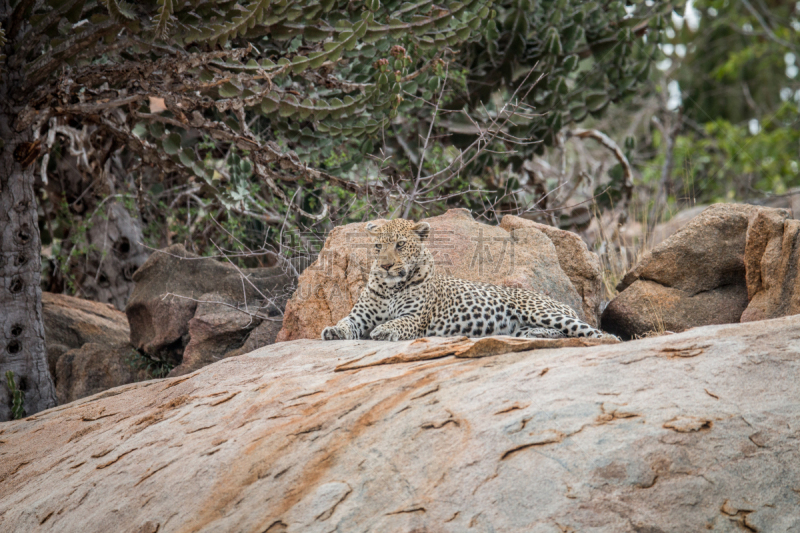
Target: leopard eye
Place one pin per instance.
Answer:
(377, 247)
(400, 244)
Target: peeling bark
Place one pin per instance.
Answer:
(22, 346)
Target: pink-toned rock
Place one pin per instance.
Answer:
(665, 230)
(696, 431)
(581, 266)
(705, 254)
(523, 256)
(765, 228)
(773, 267)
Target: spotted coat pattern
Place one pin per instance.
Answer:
(405, 299)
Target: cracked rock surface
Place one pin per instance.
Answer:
(697, 431)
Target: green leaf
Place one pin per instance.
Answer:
(229, 90)
(596, 100)
(571, 63)
(74, 13)
(288, 106)
(306, 108)
(171, 143)
(491, 30)
(165, 10)
(238, 25)
(187, 156)
(200, 171)
(140, 130)
(552, 44)
(270, 103)
(299, 64)
(157, 130)
(119, 10)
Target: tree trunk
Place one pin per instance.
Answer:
(22, 347)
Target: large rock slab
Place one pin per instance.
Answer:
(581, 266)
(518, 256)
(690, 432)
(171, 284)
(696, 277)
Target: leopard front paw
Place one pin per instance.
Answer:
(334, 333)
(382, 333)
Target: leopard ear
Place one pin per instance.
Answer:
(423, 230)
(371, 228)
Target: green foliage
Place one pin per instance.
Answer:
(120, 10)
(17, 397)
(726, 162)
(164, 18)
(734, 68)
(739, 98)
(590, 55)
(156, 369)
(325, 76)
(68, 237)
(293, 113)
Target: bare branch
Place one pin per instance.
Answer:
(627, 171)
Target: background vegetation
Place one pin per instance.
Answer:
(475, 109)
(402, 110)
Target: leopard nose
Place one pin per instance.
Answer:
(386, 267)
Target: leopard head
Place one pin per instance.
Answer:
(399, 251)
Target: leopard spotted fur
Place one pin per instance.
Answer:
(405, 298)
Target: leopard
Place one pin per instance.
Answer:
(405, 298)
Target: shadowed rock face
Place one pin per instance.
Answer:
(71, 322)
(166, 307)
(93, 368)
(689, 432)
(707, 273)
(87, 346)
